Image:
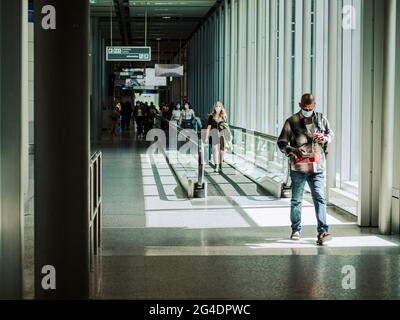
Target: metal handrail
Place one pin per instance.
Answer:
(200, 184)
(272, 139)
(257, 134)
(96, 204)
(239, 130)
(179, 128)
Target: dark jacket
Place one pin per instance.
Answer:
(295, 134)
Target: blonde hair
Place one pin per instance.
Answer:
(222, 113)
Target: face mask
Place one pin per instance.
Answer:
(186, 107)
(218, 109)
(307, 114)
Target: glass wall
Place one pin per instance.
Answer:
(259, 56)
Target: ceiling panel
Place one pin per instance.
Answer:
(170, 21)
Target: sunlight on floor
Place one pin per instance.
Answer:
(337, 242)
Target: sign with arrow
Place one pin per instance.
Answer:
(128, 54)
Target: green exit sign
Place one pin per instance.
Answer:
(128, 54)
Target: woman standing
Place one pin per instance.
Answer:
(176, 114)
(218, 120)
(187, 116)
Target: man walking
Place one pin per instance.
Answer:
(304, 138)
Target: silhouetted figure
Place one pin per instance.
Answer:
(115, 116)
(126, 115)
(140, 113)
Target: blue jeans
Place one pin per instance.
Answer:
(316, 183)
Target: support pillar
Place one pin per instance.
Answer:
(13, 143)
(386, 184)
(287, 61)
(333, 101)
(62, 149)
(307, 6)
(272, 68)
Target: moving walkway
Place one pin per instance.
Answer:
(254, 166)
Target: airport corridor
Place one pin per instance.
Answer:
(234, 244)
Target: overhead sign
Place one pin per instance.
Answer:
(148, 80)
(169, 70)
(128, 54)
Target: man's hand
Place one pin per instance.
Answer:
(298, 153)
(320, 138)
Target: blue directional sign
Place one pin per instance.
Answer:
(128, 54)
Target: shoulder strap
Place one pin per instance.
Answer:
(292, 119)
(320, 125)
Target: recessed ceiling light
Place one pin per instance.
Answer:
(166, 17)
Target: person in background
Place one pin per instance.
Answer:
(135, 111)
(115, 116)
(151, 115)
(197, 124)
(176, 114)
(140, 115)
(165, 116)
(126, 115)
(171, 108)
(187, 117)
(304, 138)
(164, 111)
(218, 120)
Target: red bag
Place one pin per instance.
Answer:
(310, 158)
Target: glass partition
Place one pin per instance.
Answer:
(251, 150)
(259, 150)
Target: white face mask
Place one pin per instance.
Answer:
(217, 109)
(186, 106)
(307, 114)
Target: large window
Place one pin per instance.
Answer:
(347, 170)
(256, 57)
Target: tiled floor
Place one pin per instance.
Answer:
(234, 244)
(159, 245)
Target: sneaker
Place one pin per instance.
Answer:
(295, 235)
(220, 169)
(323, 237)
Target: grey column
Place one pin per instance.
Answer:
(385, 196)
(332, 87)
(233, 105)
(227, 55)
(365, 192)
(13, 143)
(287, 61)
(307, 5)
(96, 106)
(62, 149)
(272, 68)
(260, 66)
